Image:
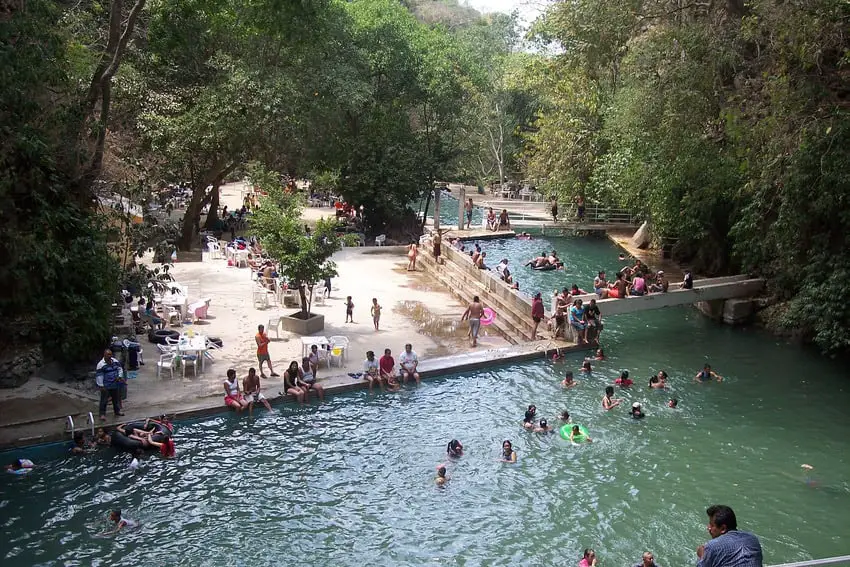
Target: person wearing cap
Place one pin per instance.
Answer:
(637, 412)
(537, 313)
(661, 284)
(648, 560)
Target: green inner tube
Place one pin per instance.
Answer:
(567, 428)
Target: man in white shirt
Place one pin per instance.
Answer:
(408, 361)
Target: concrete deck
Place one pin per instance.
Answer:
(37, 432)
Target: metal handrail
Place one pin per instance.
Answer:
(90, 422)
(69, 424)
(813, 562)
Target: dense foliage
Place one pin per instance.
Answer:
(723, 123)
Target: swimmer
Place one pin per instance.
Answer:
(568, 381)
(20, 466)
(441, 479)
(556, 356)
(600, 354)
(624, 381)
(609, 402)
(621, 257)
(707, 374)
(454, 449)
(528, 420)
(656, 384)
(120, 522)
(565, 416)
(576, 432)
(673, 403)
(543, 427)
(586, 367)
(662, 375)
(809, 480)
(508, 453)
(82, 444)
(103, 438)
(636, 411)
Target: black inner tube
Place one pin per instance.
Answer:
(123, 441)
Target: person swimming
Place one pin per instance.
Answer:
(624, 381)
(454, 449)
(120, 522)
(508, 453)
(655, 383)
(528, 420)
(568, 381)
(586, 367)
(608, 401)
(707, 374)
(20, 466)
(636, 411)
(600, 354)
(673, 403)
(565, 416)
(441, 479)
(543, 427)
(576, 436)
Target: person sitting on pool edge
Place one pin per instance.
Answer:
(454, 449)
(543, 427)
(636, 411)
(441, 475)
(290, 383)
(528, 420)
(371, 371)
(508, 453)
(307, 381)
(251, 391)
(707, 374)
(408, 361)
(608, 401)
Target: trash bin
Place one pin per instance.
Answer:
(132, 356)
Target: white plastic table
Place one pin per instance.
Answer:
(193, 345)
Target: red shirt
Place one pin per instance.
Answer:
(537, 308)
(387, 364)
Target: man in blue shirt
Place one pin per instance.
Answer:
(109, 377)
(728, 546)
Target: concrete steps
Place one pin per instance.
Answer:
(516, 327)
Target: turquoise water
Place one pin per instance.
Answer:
(582, 257)
(351, 481)
(449, 208)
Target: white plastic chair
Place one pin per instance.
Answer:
(190, 360)
(215, 250)
(259, 297)
(166, 360)
(274, 325)
(380, 240)
(338, 343)
(211, 346)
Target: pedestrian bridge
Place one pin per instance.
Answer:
(710, 289)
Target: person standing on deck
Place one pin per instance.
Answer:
(473, 313)
(468, 207)
(537, 314)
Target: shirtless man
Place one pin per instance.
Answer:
(468, 208)
(619, 288)
(600, 285)
(473, 313)
(539, 261)
(251, 391)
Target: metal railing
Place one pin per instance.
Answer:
(844, 559)
(69, 424)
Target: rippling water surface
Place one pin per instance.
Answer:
(351, 482)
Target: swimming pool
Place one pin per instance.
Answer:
(351, 481)
(583, 257)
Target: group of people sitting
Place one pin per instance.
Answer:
(496, 223)
(586, 320)
(383, 371)
(637, 280)
(546, 261)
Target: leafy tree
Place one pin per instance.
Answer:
(304, 260)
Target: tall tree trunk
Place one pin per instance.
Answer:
(199, 197)
(436, 207)
(212, 216)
